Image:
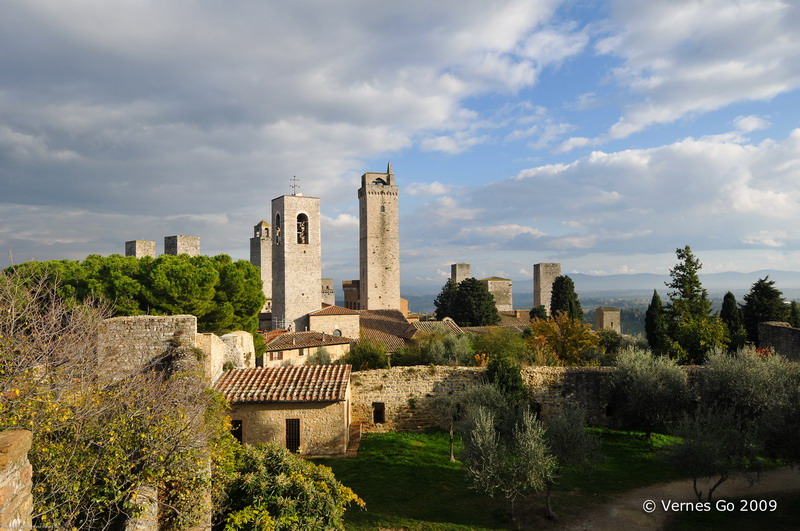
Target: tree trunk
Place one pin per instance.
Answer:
(550, 514)
(452, 455)
(717, 484)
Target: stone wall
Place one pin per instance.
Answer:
(543, 277)
(501, 290)
(781, 338)
(181, 244)
(129, 344)
(16, 501)
(140, 248)
(407, 392)
(460, 271)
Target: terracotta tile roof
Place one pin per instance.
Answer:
(446, 326)
(269, 335)
(334, 310)
(304, 383)
(292, 340)
(392, 343)
(389, 327)
(495, 278)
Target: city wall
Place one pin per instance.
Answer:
(780, 337)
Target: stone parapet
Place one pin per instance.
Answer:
(16, 501)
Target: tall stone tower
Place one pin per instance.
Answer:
(459, 272)
(261, 257)
(140, 248)
(379, 243)
(296, 261)
(182, 245)
(543, 276)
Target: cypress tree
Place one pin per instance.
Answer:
(731, 315)
(763, 303)
(655, 324)
(564, 299)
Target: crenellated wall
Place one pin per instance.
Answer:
(16, 501)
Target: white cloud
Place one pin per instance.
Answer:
(452, 144)
(426, 189)
(748, 124)
(678, 63)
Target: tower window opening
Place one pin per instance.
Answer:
(383, 208)
(277, 229)
(302, 228)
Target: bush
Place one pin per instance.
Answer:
(366, 354)
(277, 488)
(320, 357)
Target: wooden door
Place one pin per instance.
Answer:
(293, 435)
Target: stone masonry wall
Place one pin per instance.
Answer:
(781, 337)
(181, 244)
(407, 392)
(543, 277)
(129, 344)
(16, 501)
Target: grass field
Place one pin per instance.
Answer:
(408, 482)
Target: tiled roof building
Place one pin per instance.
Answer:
(308, 383)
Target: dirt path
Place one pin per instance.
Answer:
(626, 510)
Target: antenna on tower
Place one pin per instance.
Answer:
(294, 186)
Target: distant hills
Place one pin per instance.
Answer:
(640, 286)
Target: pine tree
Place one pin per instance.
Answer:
(473, 305)
(794, 314)
(564, 299)
(655, 325)
(444, 301)
(688, 297)
(731, 315)
(763, 303)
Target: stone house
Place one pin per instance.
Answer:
(306, 409)
(294, 348)
(335, 321)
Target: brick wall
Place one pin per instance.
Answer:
(16, 501)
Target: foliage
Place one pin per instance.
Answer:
(437, 349)
(538, 312)
(444, 300)
(468, 303)
(571, 444)
(499, 341)
(276, 487)
(570, 341)
(731, 315)
(98, 442)
(650, 389)
(713, 446)
(564, 299)
(510, 467)
(320, 357)
(655, 325)
(505, 373)
(692, 331)
(222, 294)
(366, 354)
(609, 342)
(763, 303)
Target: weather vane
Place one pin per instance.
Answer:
(294, 186)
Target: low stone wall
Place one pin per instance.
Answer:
(407, 393)
(16, 501)
(780, 337)
(240, 351)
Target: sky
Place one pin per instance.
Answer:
(599, 134)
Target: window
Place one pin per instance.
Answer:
(302, 352)
(337, 333)
(383, 208)
(302, 228)
(277, 229)
(293, 435)
(378, 412)
(236, 429)
(276, 356)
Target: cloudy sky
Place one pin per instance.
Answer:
(598, 134)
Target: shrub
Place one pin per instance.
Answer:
(366, 354)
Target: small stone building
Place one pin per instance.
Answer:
(336, 321)
(608, 317)
(501, 289)
(294, 348)
(306, 409)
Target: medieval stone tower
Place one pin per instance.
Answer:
(296, 261)
(379, 243)
(543, 277)
(460, 271)
(261, 257)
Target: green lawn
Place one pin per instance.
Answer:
(408, 482)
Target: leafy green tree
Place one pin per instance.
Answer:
(570, 341)
(650, 390)
(507, 466)
(564, 299)
(692, 330)
(366, 354)
(498, 341)
(538, 312)
(570, 443)
(473, 305)
(320, 357)
(763, 303)
(277, 488)
(444, 300)
(505, 373)
(794, 314)
(731, 315)
(437, 349)
(655, 325)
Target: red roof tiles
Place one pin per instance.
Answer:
(306, 383)
(334, 310)
(293, 340)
